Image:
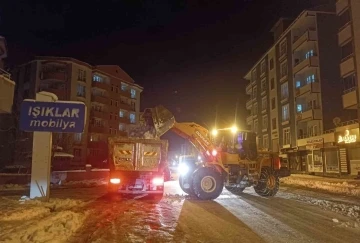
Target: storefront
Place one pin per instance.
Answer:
(349, 151)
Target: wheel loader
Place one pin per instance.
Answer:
(234, 163)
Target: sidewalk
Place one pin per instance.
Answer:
(342, 186)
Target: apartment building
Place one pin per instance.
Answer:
(7, 87)
(300, 93)
(111, 96)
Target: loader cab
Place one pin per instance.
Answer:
(246, 145)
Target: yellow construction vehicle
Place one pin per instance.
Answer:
(233, 163)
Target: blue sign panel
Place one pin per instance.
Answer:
(62, 117)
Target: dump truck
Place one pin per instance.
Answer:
(137, 165)
(230, 157)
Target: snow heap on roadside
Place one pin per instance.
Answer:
(86, 183)
(330, 186)
(37, 221)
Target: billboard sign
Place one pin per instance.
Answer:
(59, 116)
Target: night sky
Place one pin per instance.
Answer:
(189, 55)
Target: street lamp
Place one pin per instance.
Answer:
(234, 129)
(214, 132)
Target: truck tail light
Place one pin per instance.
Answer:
(158, 181)
(115, 181)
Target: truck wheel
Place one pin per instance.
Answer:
(207, 183)
(268, 184)
(186, 190)
(235, 190)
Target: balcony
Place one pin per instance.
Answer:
(347, 66)
(101, 85)
(308, 62)
(126, 94)
(125, 120)
(341, 5)
(310, 114)
(344, 34)
(125, 106)
(7, 88)
(97, 129)
(100, 99)
(249, 120)
(350, 99)
(309, 35)
(58, 75)
(249, 104)
(100, 114)
(60, 93)
(311, 87)
(249, 89)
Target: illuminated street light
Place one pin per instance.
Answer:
(234, 129)
(214, 132)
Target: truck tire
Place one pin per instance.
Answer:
(235, 190)
(268, 184)
(207, 183)
(186, 190)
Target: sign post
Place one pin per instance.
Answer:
(44, 116)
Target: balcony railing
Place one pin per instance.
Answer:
(312, 61)
(60, 93)
(313, 87)
(100, 114)
(5, 74)
(100, 99)
(101, 85)
(98, 129)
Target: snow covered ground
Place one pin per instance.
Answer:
(333, 185)
(27, 220)
(87, 214)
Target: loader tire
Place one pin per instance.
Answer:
(189, 190)
(207, 183)
(235, 190)
(268, 184)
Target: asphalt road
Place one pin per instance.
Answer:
(294, 215)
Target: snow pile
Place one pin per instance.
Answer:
(86, 183)
(12, 187)
(37, 221)
(349, 210)
(334, 187)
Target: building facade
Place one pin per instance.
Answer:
(7, 87)
(111, 96)
(295, 91)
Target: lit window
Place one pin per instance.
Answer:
(284, 69)
(284, 91)
(121, 127)
(256, 123)
(310, 79)
(121, 114)
(299, 108)
(298, 84)
(97, 78)
(285, 112)
(81, 91)
(132, 118)
(133, 93)
(309, 54)
(123, 87)
(286, 136)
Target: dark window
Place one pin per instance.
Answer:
(272, 84)
(349, 82)
(273, 103)
(271, 64)
(344, 18)
(273, 123)
(346, 50)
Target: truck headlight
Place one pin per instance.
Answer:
(183, 169)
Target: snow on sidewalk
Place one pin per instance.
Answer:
(334, 185)
(36, 221)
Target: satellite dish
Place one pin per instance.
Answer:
(337, 121)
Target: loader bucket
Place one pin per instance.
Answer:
(163, 119)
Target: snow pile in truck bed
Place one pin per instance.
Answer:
(36, 221)
(343, 187)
